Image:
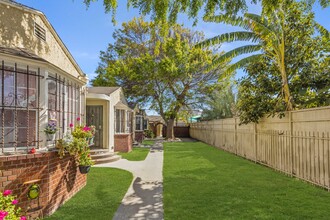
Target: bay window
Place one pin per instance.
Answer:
(19, 90)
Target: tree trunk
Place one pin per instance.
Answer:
(286, 90)
(170, 129)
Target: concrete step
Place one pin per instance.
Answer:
(107, 159)
(102, 155)
(99, 151)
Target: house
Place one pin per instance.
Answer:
(39, 81)
(156, 124)
(140, 122)
(108, 110)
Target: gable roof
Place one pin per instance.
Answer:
(50, 28)
(102, 90)
(21, 52)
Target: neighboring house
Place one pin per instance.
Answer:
(139, 121)
(39, 81)
(156, 125)
(107, 109)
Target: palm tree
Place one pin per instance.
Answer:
(267, 33)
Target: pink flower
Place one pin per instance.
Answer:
(86, 128)
(7, 192)
(3, 214)
(78, 119)
(14, 202)
(22, 218)
(71, 125)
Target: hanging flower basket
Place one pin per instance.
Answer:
(84, 169)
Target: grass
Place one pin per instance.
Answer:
(137, 154)
(202, 182)
(148, 142)
(101, 197)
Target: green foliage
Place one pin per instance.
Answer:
(149, 133)
(162, 11)
(220, 104)
(307, 64)
(8, 206)
(76, 144)
(168, 72)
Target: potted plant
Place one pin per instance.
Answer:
(76, 144)
(85, 161)
(50, 130)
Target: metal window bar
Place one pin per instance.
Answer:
(19, 107)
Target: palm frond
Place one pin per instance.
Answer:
(241, 63)
(322, 30)
(228, 19)
(237, 51)
(230, 37)
(256, 22)
(324, 3)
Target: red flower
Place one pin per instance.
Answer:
(22, 218)
(78, 119)
(71, 125)
(33, 151)
(7, 192)
(86, 128)
(14, 202)
(3, 214)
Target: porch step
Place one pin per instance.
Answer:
(100, 156)
(99, 151)
(107, 159)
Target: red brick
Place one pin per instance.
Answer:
(11, 178)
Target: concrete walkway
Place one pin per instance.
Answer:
(144, 198)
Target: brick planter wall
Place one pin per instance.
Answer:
(139, 137)
(59, 178)
(123, 142)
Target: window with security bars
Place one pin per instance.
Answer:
(139, 123)
(129, 122)
(19, 92)
(73, 103)
(63, 103)
(120, 127)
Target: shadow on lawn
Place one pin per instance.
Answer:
(144, 203)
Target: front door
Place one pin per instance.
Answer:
(94, 116)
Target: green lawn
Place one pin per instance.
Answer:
(148, 142)
(202, 182)
(137, 154)
(100, 199)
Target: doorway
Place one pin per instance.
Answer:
(94, 116)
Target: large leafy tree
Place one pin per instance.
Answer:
(307, 64)
(168, 72)
(168, 10)
(267, 35)
(221, 103)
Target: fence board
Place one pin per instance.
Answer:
(298, 144)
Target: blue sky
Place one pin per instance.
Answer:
(88, 31)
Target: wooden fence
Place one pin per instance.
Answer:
(297, 144)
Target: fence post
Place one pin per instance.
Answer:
(235, 141)
(291, 141)
(256, 142)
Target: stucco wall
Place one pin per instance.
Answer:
(17, 30)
